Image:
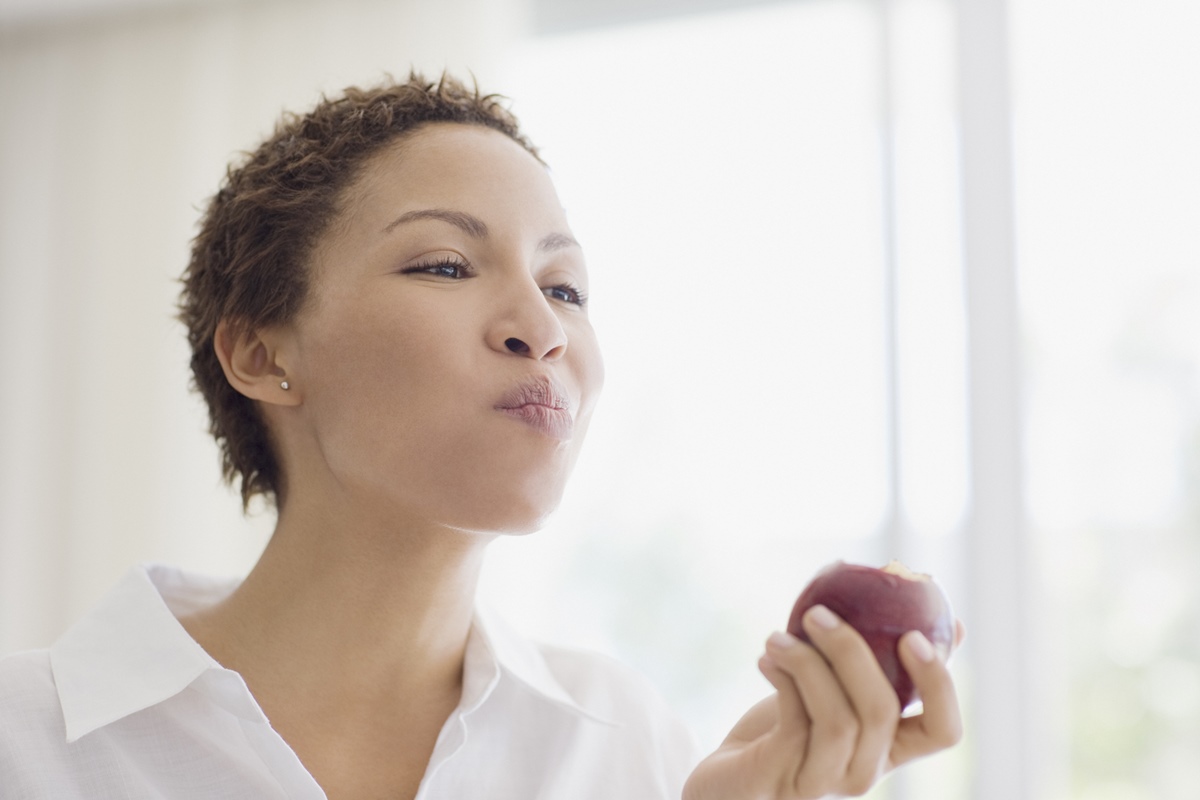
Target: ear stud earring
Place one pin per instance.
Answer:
(284, 385)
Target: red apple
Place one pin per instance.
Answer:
(882, 605)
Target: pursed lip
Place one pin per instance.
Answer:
(536, 391)
(543, 404)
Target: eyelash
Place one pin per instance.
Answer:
(439, 264)
(576, 296)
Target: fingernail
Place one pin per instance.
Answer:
(920, 646)
(822, 617)
(780, 640)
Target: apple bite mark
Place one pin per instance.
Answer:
(895, 567)
(882, 605)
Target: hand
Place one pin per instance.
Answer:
(833, 726)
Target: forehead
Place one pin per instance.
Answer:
(466, 169)
(449, 165)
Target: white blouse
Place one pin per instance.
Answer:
(127, 705)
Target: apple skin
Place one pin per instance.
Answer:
(882, 606)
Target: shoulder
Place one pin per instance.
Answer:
(624, 735)
(614, 691)
(599, 685)
(602, 683)
(652, 736)
(32, 732)
(27, 689)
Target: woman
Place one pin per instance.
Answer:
(388, 316)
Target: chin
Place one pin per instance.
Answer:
(529, 525)
(519, 520)
(502, 512)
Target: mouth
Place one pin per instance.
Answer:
(541, 403)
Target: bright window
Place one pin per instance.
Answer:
(770, 203)
(727, 177)
(1108, 177)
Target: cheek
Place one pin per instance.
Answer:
(378, 379)
(400, 406)
(589, 367)
(370, 347)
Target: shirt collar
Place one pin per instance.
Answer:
(130, 652)
(516, 656)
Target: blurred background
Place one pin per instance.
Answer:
(874, 279)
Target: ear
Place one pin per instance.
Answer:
(254, 362)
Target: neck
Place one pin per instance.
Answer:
(357, 613)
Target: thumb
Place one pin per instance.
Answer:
(940, 724)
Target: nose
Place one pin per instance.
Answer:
(526, 325)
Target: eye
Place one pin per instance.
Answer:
(567, 294)
(443, 268)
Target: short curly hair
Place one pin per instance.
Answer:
(250, 260)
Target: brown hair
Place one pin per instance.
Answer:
(250, 259)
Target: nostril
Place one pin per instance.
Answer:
(516, 345)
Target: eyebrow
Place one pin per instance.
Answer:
(470, 224)
(556, 241)
(476, 227)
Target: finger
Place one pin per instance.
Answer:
(793, 718)
(867, 690)
(835, 727)
(960, 632)
(940, 724)
(786, 749)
